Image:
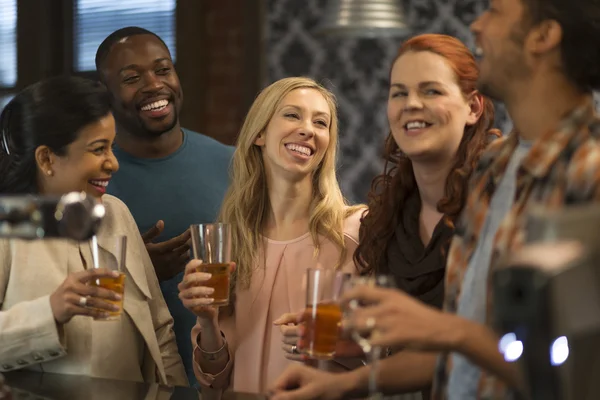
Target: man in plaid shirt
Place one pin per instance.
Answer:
(542, 59)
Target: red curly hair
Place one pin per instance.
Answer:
(390, 190)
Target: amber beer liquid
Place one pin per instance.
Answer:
(211, 243)
(218, 281)
(322, 330)
(116, 285)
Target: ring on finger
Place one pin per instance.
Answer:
(83, 301)
(295, 349)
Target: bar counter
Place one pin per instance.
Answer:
(45, 386)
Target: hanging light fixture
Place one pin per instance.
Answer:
(364, 19)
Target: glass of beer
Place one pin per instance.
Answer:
(111, 255)
(373, 353)
(211, 243)
(322, 315)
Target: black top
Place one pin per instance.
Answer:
(419, 270)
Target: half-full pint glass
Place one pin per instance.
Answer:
(322, 315)
(111, 255)
(211, 243)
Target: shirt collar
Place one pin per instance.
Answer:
(546, 149)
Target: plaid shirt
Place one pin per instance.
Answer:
(562, 168)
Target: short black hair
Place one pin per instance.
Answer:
(580, 45)
(117, 35)
(49, 113)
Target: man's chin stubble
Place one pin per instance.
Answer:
(152, 134)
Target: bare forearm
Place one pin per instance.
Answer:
(407, 371)
(210, 339)
(480, 344)
(404, 372)
(209, 342)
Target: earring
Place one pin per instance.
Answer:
(49, 172)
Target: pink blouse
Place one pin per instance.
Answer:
(256, 357)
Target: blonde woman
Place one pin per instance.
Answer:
(288, 214)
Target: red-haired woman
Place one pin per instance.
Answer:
(439, 126)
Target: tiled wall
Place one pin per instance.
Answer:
(357, 71)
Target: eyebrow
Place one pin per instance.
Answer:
(95, 142)
(421, 84)
(135, 66)
(323, 113)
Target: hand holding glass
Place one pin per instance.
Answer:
(364, 339)
(112, 256)
(211, 243)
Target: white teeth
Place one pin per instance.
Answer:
(478, 51)
(300, 149)
(100, 183)
(416, 125)
(157, 105)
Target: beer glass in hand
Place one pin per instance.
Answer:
(364, 339)
(211, 243)
(322, 315)
(111, 256)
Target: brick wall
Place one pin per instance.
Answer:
(225, 72)
(219, 64)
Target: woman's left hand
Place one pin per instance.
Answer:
(290, 325)
(399, 320)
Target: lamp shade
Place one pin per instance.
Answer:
(364, 19)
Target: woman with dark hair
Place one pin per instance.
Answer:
(56, 137)
(439, 126)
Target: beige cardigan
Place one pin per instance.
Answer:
(30, 271)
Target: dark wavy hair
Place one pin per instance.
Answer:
(50, 113)
(390, 190)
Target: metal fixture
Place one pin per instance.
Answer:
(364, 19)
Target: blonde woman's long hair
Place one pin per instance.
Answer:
(246, 203)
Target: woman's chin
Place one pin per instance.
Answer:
(94, 194)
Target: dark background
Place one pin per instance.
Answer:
(227, 50)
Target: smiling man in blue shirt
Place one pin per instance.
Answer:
(169, 177)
